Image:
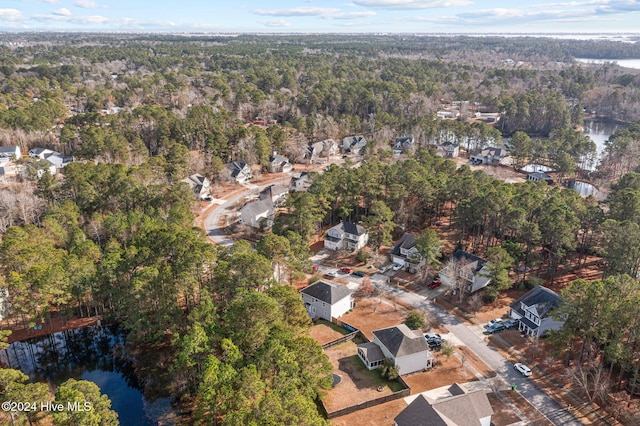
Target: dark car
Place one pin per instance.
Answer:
(496, 328)
(358, 274)
(511, 323)
(434, 284)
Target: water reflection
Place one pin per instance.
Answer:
(530, 168)
(91, 353)
(584, 188)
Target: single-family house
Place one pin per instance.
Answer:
(489, 117)
(490, 155)
(300, 183)
(406, 254)
(458, 409)
(407, 349)
(532, 311)
(354, 143)
(7, 169)
(448, 114)
(53, 157)
(329, 148)
(540, 176)
(448, 150)
(258, 214)
(327, 300)
(404, 144)
(239, 171)
(10, 152)
(276, 193)
(279, 164)
(469, 268)
(200, 186)
(346, 236)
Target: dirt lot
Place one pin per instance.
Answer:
(373, 314)
(358, 384)
(502, 415)
(500, 307)
(444, 373)
(325, 332)
(379, 415)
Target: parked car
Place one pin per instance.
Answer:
(522, 369)
(493, 322)
(434, 341)
(396, 267)
(511, 323)
(434, 284)
(331, 274)
(346, 270)
(496, 328)
(358, 274)
(385, 268)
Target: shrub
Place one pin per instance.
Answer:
(415, 320)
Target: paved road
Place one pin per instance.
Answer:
(473, 338)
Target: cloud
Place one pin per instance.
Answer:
(50, 1)
(350, 15)
(11, 15)
(279, 23)
(89, 4)
(62, 12)
(297, 11)
(410, 4)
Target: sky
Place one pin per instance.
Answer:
(323, 16)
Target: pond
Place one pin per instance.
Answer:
(584, 188)
(530, 168)
(625, 63)
(599, 132)
(96, 354)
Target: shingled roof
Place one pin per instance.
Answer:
(463, 410)
(540, 298)
(352, 228)
(407, 241)
(401, 341)
(327, 292)
(469, 260)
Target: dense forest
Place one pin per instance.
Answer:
(114, 234)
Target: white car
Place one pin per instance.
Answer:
(385, 268)
(493, 322)
(396, 267)
(522, 369)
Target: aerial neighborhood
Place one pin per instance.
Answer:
(312, 229)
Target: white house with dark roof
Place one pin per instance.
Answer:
(532, 311)
(279, 164)
(490, 155)
(200, 185)
(354, 143)
(448, 150)
(300, 183)
(469, 267)
(407, 349)
(53, 157)
(404, 144)
(406, 254)
(346, 236)
(327, 300)
(276, 193)
(239, 171)
(10, 152)
(458, 409)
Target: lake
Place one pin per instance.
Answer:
(96, 354)
(626, 63)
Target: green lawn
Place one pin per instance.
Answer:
(374, 375)
(333, 326)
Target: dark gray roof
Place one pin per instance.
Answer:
(455, 389)
(407, 241)
(235, 167)
(401, 341)
(8, 151)
(540, 175)
(468, 258)
(255, 208)
(327, 292)
(541, 297)
(372, 352)
(280, 159)
(419, 413)
(352, 228)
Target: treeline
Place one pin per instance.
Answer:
(115, 244)
(539, 225)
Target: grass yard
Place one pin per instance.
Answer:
(373, 314)
(325, 332)
(358, 384)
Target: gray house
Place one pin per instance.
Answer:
(469, 267)
(279, 164)
(404, 144)
(327, 300)
(239, 171)
(407, 349)
(406, 254)
(354, 143)
(200, 185)
(538, 176)
(532, 311)
(460, 409)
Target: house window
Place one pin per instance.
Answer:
(313, 309)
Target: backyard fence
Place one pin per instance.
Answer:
(342, 339)
(353, 408)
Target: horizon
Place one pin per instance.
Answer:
(462, 17)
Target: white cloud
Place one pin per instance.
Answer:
(280, 23)
(350, 15)
(62, 12)
(297, 11)
(410, 4)
(50, 1)
(89, 4)
(11, 15)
